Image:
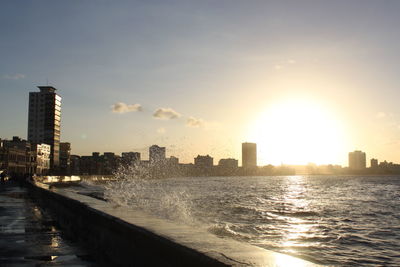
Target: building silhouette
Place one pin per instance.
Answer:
(174, 161)
(374, 163)
(156, 154)
(65, 157)
(228, 163)
(249, 155)
(227, 167)
(44, 121)
(129, 158)
(203, 161)
(203, 165)
(357, 160)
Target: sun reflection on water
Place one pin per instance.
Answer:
(297, 204)
(282, 260)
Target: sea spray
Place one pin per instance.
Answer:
(138, 186)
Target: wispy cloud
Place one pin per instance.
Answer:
(16, 76)
(121, 108)
(166, 114)
(194, 122)
(284, 63)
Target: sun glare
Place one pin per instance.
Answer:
(297, 132)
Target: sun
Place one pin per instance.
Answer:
(297, 131)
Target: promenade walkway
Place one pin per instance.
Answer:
(29, 237)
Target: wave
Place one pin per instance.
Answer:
(296, 213)
(228, 230)
(136, 188)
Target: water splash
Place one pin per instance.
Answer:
(136, 186)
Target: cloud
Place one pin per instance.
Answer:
(16, 76)
(166, 114)
(380, 115)
(194, 122)
(278, 67)
(291, 61)
(121, 108)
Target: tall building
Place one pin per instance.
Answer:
(44, 121)
(357, 160)
(249, 155)
(156, 154)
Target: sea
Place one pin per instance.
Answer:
(332, 220)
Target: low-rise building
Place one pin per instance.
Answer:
(228, 166)
(204, 165)
(65, 158)
(75, 165)
(130, 158)
(204, 161)
(41, 157)
(20, 157)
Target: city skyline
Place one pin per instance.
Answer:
(357, 160)
(44, 89)
(131, 76)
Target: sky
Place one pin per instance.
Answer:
(308, 81)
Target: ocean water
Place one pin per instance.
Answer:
(334, 220)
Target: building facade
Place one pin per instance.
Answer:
(13, 160)
(374, 163)
(203, 165)
(357, 160)
(249, 155)
(18, 157)
(65, 158)
(203, 161)
(41, 156)
(44, 121)
(130, 158)
(228, 163)
(156, 154)
(228, 167)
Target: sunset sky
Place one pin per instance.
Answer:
(308, 81)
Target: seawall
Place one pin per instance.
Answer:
(128, 237)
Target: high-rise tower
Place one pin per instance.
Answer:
(44, 121)
(249, 155)
(357, 160)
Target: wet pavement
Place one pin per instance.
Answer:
(30, 237)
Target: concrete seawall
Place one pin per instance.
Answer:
(133, 238)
